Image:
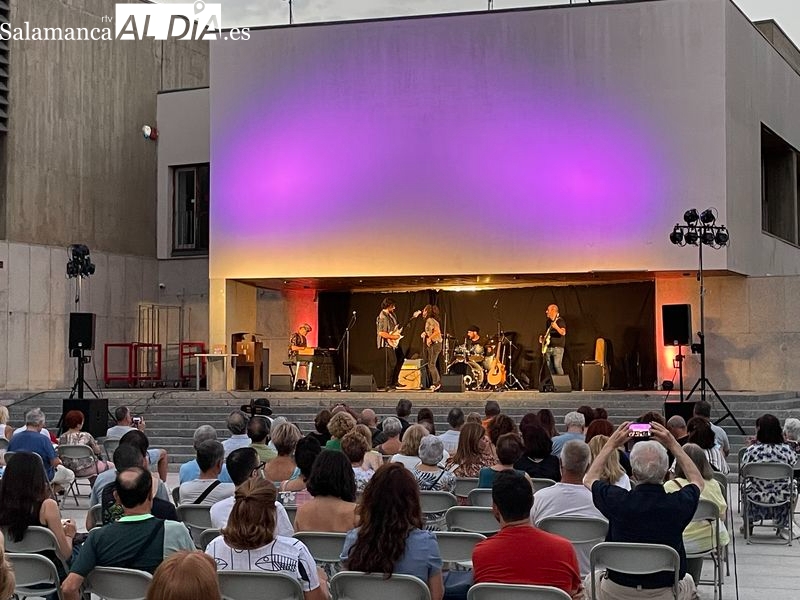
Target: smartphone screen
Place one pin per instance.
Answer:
(639, 430)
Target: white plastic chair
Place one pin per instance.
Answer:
(355, 585)
(508, 591)
(578, 530)
(78, 452)
(207, 536)
(766, 471)
(434, 506)
(37, 539)
(456, 547)
(197, 517)
(474, 519)
(539, 483)
(325, 547)
(116, 583)
(634, 559)
(34, 570)
(247, 585)
(707, 512)
(480, 497)
(464, 485)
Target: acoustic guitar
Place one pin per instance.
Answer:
(497, 372)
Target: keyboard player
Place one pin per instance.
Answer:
(298, 343)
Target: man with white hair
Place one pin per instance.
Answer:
(191, 470)
(647, 513)
(32, 440)
(575, 423)
(569, 497)
(237, 424)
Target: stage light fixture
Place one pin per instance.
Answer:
(80, 264)
(691, 237)
(707, 237)
(721, 237)
(691, 216)
(707, 217)
(676, 237)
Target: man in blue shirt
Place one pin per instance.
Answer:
(191, 470)
(32, 440)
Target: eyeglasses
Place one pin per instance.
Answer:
(259, 470)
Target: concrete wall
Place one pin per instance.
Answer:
(35, 302)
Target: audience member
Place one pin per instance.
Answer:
(677, 427)
(340, 425)
(185, 575)
(207, 488)
(425, 417)
(475, 417)
(249, 541)
(125, 423)
(576, 430)
(538, 460)
(600, 413)
(321, 433)
(333, 487)
(237, 424)
(613, 472)
(137, 541)
(569, 497)
(519, 553)
(769, 447)
(588, 414)
(700, 433)
(31, 440)
(258, 434)
(430, 475)
(7, 581)
(474, 452)
(6, 431)
(372, 458)
(243, 464)
(599, 427)
(191, 470)
(490, 410)
(283, 467)
(390, 538)
(509, 451)
(127, 456)
(295, 491)
(409, 450)
(699, 536)
(25, 501)
(455, 419)
(370, 420)
(354, 447)
(791, 433)
(702, 408)
(500, 425)
(82, 467)
(392, 429)
(548, 422)
(403, 411)
(647, 513)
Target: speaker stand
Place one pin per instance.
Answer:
(80, 382)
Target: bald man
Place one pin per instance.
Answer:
(553, 338)
(370, 419)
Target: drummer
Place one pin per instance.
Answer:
(476, 347)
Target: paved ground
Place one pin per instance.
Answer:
(766, 571)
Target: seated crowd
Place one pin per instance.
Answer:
(357, 476)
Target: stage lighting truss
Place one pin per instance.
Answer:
(700, 228)
(80, 264)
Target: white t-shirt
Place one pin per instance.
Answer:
(222, 510)
(283, 554)
(191, 490)
(450, 440)
(44, 431)
(567, 500)
(409, 462)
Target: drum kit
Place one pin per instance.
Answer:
(472, 361)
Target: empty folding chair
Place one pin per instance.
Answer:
(464, 485)
(507, 591)
(480, 497)
(707, 512)
(474, 519)
(247, 585)
(355, 585)
(116, 583)
(324, 546)
(35, 575)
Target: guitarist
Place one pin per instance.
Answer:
(388, 336)
(553, 340)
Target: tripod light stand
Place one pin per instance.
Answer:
(80, 267)
(702, 230)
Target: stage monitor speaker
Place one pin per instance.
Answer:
(95, 413)
(561, 383)
(81, 331)
(452, 383)
(591, 376)
(278, 382)
(684, 409)
(363, 383)
(677, 324)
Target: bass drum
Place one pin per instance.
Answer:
(472, 373)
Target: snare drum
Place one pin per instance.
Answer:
(460, 354)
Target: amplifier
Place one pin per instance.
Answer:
(591, 376)
(411, 375)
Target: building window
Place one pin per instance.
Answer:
(779, 187)
(190, 209)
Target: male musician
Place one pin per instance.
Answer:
(473, 336)
(297, 342)
(475, 347)
(392, 358)
(556, 331)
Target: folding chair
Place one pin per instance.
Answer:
(97, 515)
(578, 530)
(325, 547)
(775, 472)
(36, 539)
(207, 536)
(291, 512)
(464, 485)
(434, 506)
(197, 517)
(355, 585)
(473, 519)
(116, 583)
(246, 585)
(507, 591)
(634, 559)
(722, 480)
(4, 444)
(456, 547)
(480, 497)
(176, 495)
(539, 483)
(740, 455)
(35, 575)
(78, 452)
(707, 512)
(109, 445)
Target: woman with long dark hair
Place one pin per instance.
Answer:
(391, 537)
(700, 433)
(537, 461)
(432, 344)
(474, 452)
(333, 487)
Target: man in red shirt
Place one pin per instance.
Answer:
(520, 553)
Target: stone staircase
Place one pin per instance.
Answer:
(172, 416)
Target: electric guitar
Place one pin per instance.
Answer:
(546, 336)
(398, 330)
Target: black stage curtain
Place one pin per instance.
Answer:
(623, 314)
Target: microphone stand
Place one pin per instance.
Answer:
(345, 341)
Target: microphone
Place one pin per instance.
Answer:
(495, 303)
(354, 313)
